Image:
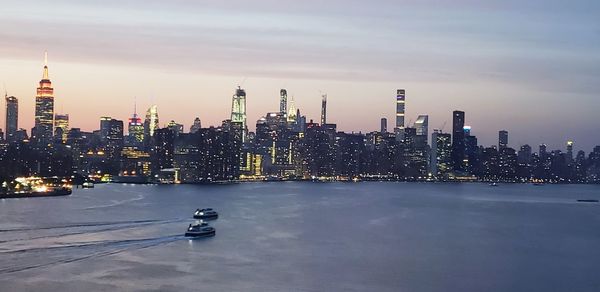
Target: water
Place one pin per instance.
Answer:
(305, 237)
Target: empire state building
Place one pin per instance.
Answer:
(44, 108)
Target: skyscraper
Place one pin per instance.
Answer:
(283, 102)
(569, 151)
(61, 127)
(383, 125)
(291, 116)
(151, 122)
(400, 100)
(238, 110)
(441, 148)
(422, 126)
(12, 117)
(44, 108)
(196, 126)
(135, 129)
(502, 139)
(324, 109)
(458, 142)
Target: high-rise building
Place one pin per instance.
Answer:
(458, 142)
(12, 117)
(542, 151)
(441, 149)
(111, 136)
(150, 123)
(291, 115)
(400, 103)
(238, 110)
(61, 127)
(175, 127)
(569, 151)
(283, 102)
(422, 126)
(502, 139)
(135, 129)
(324, 109)
(383, 125)
(196, 126)
(44, 108)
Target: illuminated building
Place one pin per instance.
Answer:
(135, 129)
(196, 126)
(400, 103)
(458, 142)
(441, 149)
(61, 127)
(175, 127)
(502, 139)
(44, 108)
(569, 152)
(324, 109)
(422, 131)
(111, 136)
(238, 110)
(283, 102)
(291, 115)
(150, 123)
(12, 117)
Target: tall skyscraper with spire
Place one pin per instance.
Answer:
(12, 117)
(291, 115)
(238, 110)
(283, 102)
(324, 109)
(44, 108)
(135, 129)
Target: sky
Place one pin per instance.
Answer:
(529, 67)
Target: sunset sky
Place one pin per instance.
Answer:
(530, 67)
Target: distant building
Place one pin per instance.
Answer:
(291, 115)
(238, 110)
(324, 109)
(135, 130)
(383, 128)
(502, 139)
(400, 103)
(61, 127)
(458, 142)
(12, 117)
(422, 127)
(175, 127)
(196, 126)
(151, 123)
(44, 108)
(283, 102)
(441, 150)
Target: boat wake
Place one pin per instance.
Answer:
(69, 253)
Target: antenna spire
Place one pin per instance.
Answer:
(45, 65)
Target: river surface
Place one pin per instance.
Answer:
(302, 236)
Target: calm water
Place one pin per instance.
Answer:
(305, 237)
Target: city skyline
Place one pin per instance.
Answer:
(91, 81)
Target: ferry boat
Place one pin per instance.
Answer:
(200, 230)
(206, 214)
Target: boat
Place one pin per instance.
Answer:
(200, 230)
(493, 184)
(206, 214)
(87, 185)
(54, 192)
(587, 201)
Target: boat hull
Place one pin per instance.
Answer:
(206, 217)
(56, 193)
(200, 234)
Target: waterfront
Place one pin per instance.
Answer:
(304, 236)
